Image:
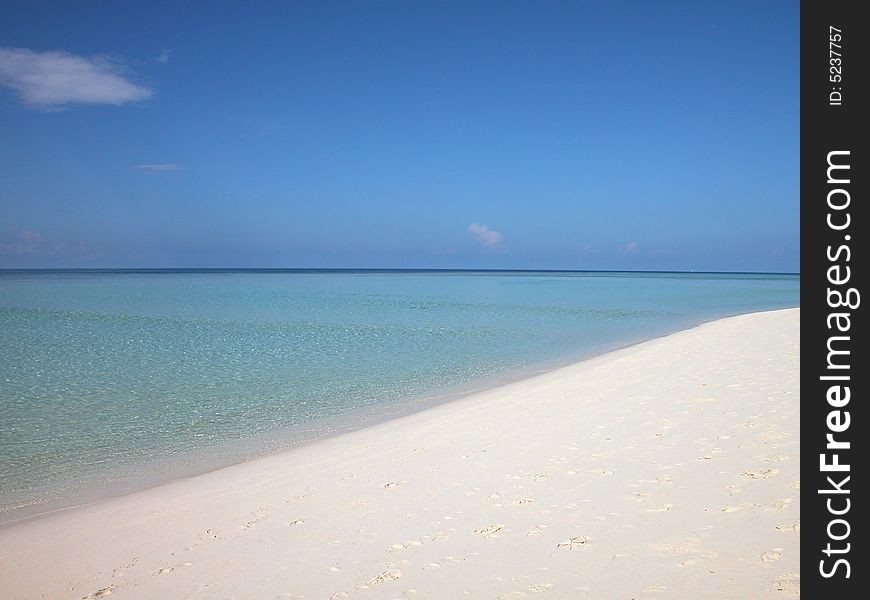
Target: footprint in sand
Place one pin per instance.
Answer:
(770, 556)
(760, 473)
(107, 591)
(690, 562)
(256, 517)
(489, 531)
(119, 572)
(789, 583)
(575, 544)
(732, 508)
(167, 570)
(384, 577)
(297, 522)
(796, 526)
(541, 587)
(439, 536)
(391, 484)
(782, 504)
(452, 560)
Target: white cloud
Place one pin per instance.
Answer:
(485, 236)
(163, 57)
(629, 248)
(159, 168)
(55, 79)
(28, 242)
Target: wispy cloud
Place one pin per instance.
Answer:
(629, 248)
(27, 242)
(158, 168)
(485, 236)
(28, 246)
(55, 79)
(163, 57)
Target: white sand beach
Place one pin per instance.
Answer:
(669, 469)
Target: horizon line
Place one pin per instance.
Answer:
(380, 270)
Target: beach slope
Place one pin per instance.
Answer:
(669, 469)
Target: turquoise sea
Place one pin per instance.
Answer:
(113, 380)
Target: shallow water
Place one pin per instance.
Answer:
(117, 378)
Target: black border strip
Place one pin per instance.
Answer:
(833, 227)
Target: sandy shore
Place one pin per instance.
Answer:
(669, 469)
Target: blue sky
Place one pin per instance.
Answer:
(576, 135)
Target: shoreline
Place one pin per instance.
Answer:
(238, 452)
(649, 456)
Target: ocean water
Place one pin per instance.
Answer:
(113, 380)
